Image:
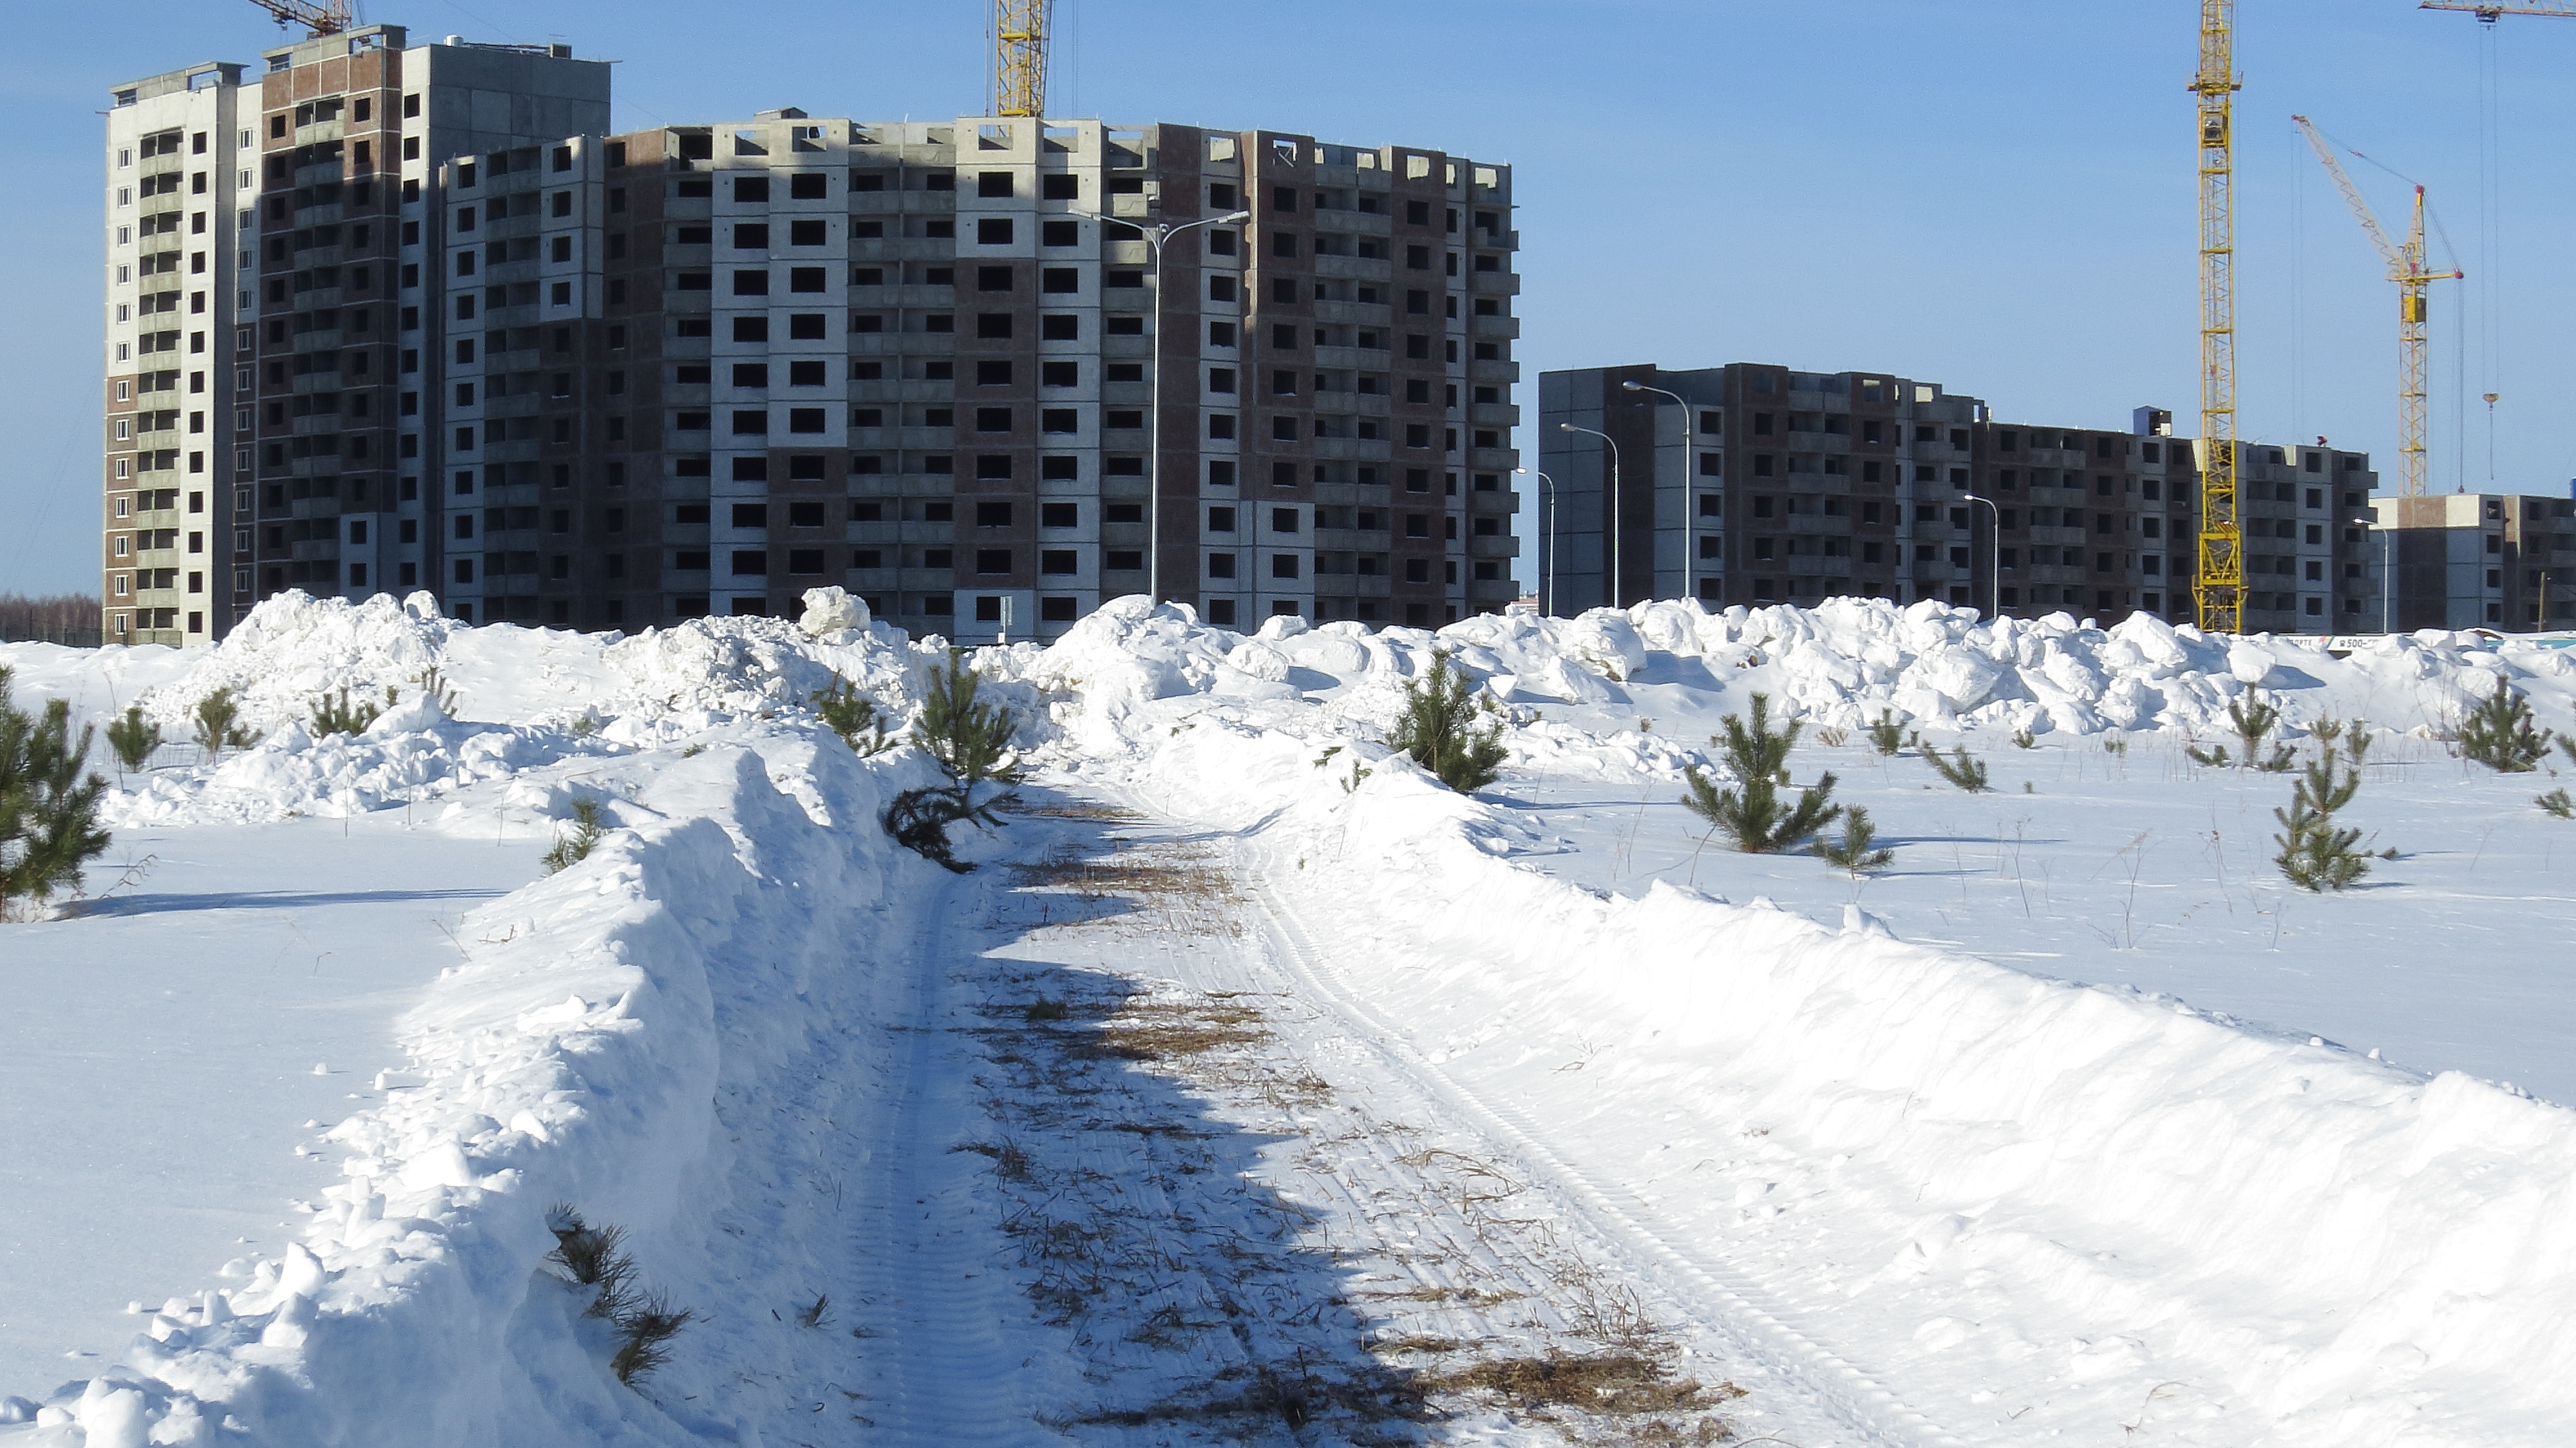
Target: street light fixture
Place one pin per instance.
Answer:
(1156, 235)
(1608, 442)
(1690, 503)
(1995, 573)
(1547, 558)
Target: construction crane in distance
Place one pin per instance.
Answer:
(1020, 57)
(319, 17)
(2218, 586)
(2488, 10)
(2414, 308)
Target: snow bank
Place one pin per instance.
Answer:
(2371, 1257)
(575, 1057)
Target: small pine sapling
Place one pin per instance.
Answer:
(1964, 769)
(1755, 819)
(1451, 730)
(2253, 718)
(217, 723)
(434, 685)
(336, 715)
(2316, 855)
(919, 820)
(644, 1332)
(1886, 733)
(852, 715)
(968, 739)
(133, 737)
(48, 812)
(643, 1322)
(2559, 803)
(2499, 734)
(575, 847)
(2024, 739)
(1858, 850)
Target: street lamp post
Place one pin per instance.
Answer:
(1547, 557)
(1995, 573)
(1155, 236)
(1608, 442)
(1690, 463)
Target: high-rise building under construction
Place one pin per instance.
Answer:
(429, 324)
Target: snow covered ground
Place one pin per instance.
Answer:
(1242, 1090)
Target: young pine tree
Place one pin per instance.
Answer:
(2499, 734)
(48, 812)
(1440, 728)
(969, 739)
(133, 737)
(217, 729)
(1886, 734)
(1858, 850)
(2316, 855)
(1756, 819)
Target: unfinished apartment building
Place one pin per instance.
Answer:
(2503, 561)
(264, 426)
(913, 358)
(1767, 485)
(391, 317)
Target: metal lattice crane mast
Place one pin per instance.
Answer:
(1020, 57)
(2218, 587)
(327, 17)
(2488, 12)
(2406, 268)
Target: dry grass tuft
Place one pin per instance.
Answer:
(1615, 1383)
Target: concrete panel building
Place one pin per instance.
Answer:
(471, 343)
(1768, 485)
(278, 437)
(2481, 560)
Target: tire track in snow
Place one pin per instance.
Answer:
(1738, 1305)
(939, 1302)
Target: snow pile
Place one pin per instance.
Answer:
(2350, 1244)
(576, 1058)
(545, 697)
(1584, 688)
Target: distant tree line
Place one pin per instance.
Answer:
(66, 618)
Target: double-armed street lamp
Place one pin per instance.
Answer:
(1156, 234)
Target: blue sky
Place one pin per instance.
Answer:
(1993, 194)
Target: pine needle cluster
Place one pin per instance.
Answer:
(2316, 854)
(48, 812)
(852, 715)
(575, 846)
(1453, 732)
(2498, 733)
(645, 1322)
(334, 714)
(1753, 815)
(1964, 770)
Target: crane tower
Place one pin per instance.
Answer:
(2218, 586)
(1020, 56)
(2406, 268)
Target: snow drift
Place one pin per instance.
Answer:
(575, 1058)
(2351, 1244)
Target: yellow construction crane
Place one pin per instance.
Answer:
(1020, 56)
(2487, 11)
(2414, 283)
(2218, 587)
(328, 17)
